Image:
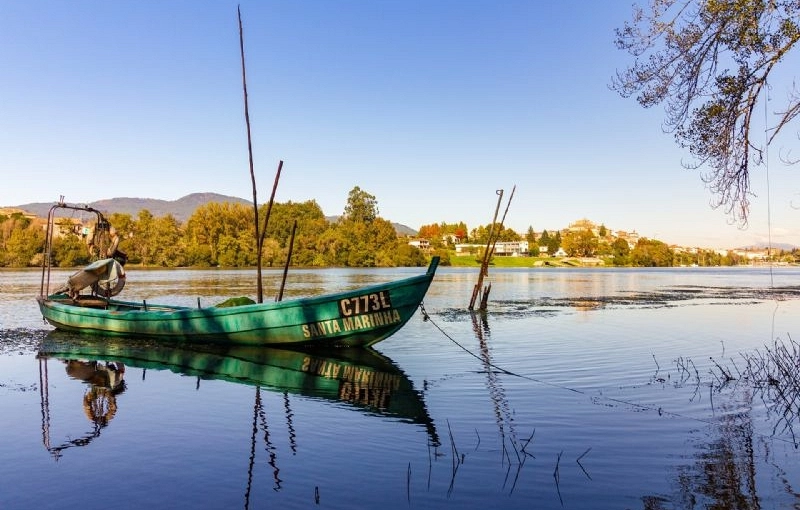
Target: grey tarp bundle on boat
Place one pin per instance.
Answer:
(106, 276)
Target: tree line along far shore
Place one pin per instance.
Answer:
(223, 235)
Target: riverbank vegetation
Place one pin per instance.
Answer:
(221, 235)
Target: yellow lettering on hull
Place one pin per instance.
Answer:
(354, 323)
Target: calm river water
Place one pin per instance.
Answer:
(579, 389)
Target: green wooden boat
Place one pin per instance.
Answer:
(360, 317)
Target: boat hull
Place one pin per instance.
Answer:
(356, 318)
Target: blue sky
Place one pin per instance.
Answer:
(430, 106)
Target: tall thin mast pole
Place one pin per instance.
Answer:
(259, 285)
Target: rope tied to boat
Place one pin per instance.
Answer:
(427, 318)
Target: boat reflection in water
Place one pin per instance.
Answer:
(105, 380)
(361, 378)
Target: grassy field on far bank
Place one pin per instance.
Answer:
(474, 261)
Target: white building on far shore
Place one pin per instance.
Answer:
(501, 248)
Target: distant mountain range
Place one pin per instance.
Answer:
(180, 209)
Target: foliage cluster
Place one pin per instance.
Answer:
(644, 253)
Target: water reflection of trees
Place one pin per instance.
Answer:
(724, 475)
(726, 469)
(772, 376)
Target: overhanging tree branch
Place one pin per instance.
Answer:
(708, 62)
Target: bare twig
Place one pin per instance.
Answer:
(557, 477)
(578, 460)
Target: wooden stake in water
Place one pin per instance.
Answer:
(485, 261)
(489, 251)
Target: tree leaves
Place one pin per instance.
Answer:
(709, 62)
